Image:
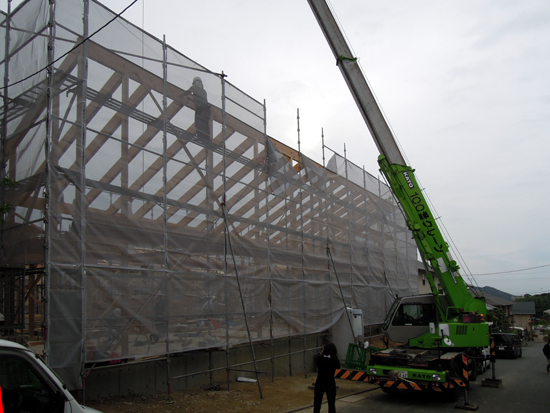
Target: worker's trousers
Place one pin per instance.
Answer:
(330, 390)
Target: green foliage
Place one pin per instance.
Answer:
(7, 182)
(542, 303)
(7, 207)
(499, 319)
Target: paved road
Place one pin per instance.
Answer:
(526, 388)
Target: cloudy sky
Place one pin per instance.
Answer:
(464, 84)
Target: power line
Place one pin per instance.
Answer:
(507, 272)
(531, 293)
(524, 279)
(72, 49)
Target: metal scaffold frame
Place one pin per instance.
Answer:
(136, 164)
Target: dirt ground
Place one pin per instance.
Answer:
(285, 394)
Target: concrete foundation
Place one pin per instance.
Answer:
(290, 356)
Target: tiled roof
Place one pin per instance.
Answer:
(524, 307)
(497, 301)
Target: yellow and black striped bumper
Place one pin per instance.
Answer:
(358, 375)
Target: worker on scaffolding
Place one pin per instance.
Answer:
(202, 108)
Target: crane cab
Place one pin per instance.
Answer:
(410, 317)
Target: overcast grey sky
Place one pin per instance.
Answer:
(464, 84)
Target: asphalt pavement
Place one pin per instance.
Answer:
(525, 388)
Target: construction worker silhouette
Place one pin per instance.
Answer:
(202, 108)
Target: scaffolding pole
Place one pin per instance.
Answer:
(304, 301)
(4, 136)
(165, 263)
(268, 241)
(350, 230)
(225, 229)
(81, 193)
(48, 175)
(365, 200)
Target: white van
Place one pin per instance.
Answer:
(28, 384)
(520, 330)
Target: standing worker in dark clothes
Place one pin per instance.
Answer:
(202, 107)
(546, 351)
(327, 363)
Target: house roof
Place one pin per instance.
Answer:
(524, 307)
(497, 301)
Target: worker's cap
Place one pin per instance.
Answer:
(197, 80)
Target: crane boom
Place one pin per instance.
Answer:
(357, 83)
(400, 176)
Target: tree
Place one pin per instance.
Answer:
(499, 319)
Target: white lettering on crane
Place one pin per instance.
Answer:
(408, 179)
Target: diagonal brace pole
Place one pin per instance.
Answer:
(241, 296)
(329, 254)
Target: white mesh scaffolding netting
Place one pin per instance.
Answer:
(123, 169)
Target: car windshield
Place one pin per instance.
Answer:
(503, 339)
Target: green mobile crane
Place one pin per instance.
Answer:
(444, 332)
